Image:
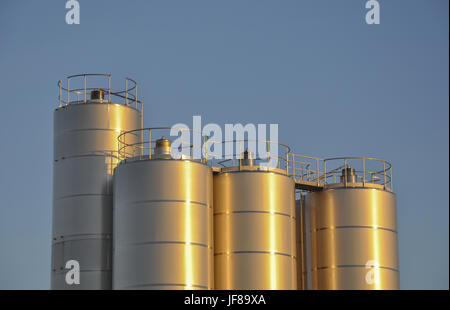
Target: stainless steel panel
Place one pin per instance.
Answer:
(352, 235)
(254, 225)
(81, 129)
(256, 271)
(85, 140)
(163, 225)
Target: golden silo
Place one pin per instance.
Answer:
(86, 126)
(163, 236)
(254, 228)
(352, 232)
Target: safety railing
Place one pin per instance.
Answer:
(305, 168)
(261, 154)
(78, 90)
(362, 170)
(256, 155)
(141, 144)
(346, 171)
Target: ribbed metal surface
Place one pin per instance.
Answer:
(300, 237)
(254, 231)
(163, 225)
(352, 239)
(85, 139)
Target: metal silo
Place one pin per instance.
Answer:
(351, 227)
(86, 126)
(254, 226)
(162, 218)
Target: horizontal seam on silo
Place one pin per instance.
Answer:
(353, 226)
(254, 252)
(165, 242)
(61, 132)
(166, 200)
(103, 153)
(75, 237)
(63, 271)
(81, 195)
(165, 284)
(354, 266)
(262, 212)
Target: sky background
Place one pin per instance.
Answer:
(335, 85)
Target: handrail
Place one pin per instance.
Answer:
(305, 168)
(348, 171)
(236, 159)
(66, 94)
(140, 144)
(367, 170)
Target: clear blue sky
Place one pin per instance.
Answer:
(335, 85)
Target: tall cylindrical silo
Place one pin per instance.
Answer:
(162, 222)
(85, 153)
(254, 229)
(352, 234)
